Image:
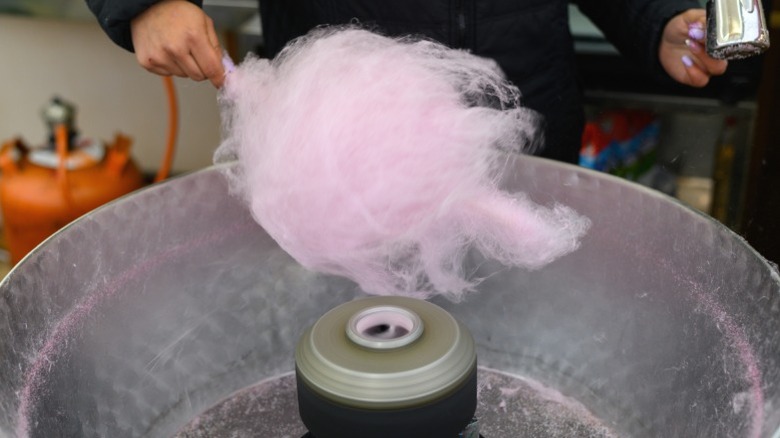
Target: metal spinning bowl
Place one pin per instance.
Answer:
(139, 317)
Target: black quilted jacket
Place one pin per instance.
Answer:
(530, 39)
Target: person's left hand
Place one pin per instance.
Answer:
(682, 53)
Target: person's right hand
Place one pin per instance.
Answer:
(682, 53)
(175, 37)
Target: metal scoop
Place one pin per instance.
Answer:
(736, 29)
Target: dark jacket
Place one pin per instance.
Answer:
(529, 39)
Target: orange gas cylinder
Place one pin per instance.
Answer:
(42, 190)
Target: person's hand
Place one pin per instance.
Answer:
(175, 37)
(682, 53)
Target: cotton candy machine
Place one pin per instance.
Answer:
(171, 313)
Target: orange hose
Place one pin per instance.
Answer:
(61, 143)
(173, 130)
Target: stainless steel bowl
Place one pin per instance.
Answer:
(140, 316)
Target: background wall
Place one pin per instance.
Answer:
(41, 58)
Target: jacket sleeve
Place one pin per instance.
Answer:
(114, 17)
(635, 27)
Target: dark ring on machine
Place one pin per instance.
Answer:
(445, 418)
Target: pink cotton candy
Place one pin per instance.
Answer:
(378, 159)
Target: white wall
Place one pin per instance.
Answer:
(40, 58)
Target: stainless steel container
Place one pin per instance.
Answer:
(139, 317)
(736, 29)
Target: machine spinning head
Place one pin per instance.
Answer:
(387, 367)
